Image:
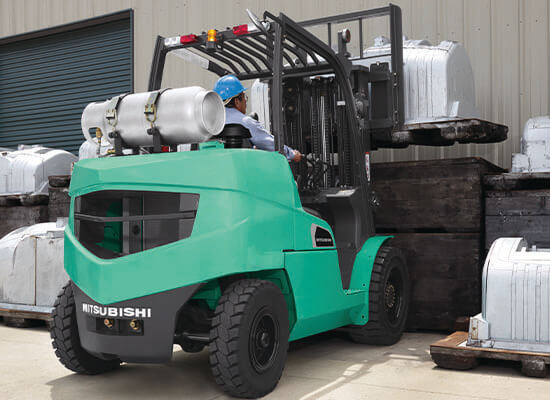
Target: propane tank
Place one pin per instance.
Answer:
(182, 116)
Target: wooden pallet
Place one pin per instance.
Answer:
(444, 133)
(60, 201)
(12, 200)
(452, 353)
(23, 316)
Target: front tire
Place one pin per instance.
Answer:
(389, 294)
(249, 338)
(66, 340)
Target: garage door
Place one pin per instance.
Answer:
(45, 82)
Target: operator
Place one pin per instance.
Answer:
(232, 93)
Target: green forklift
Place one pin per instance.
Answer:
(230, 247)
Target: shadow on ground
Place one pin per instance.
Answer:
(316, 366)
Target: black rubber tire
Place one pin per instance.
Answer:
(66, 341)
(190, 346)
(380, 328)
(240, 307)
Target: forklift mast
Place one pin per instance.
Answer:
(321, 104)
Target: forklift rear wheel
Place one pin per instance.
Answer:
(66, 341)
(190, 346)
(389, 294)
(249, 338)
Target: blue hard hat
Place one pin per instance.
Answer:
(228, 86)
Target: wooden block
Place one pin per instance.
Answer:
(447, 167)
(518, 205)
(517, 181)
(58, 211)
(12, 218)
(60, 202)
(517, 202)
(17, 322)
(59, 180)
(34, 199)
(462, 323)
(534, 228)
(9, 201)
(430, 196)
(445, 275)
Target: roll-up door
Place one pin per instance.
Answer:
(46, 81)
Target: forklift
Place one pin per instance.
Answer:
(230, 247)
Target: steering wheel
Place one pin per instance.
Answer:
(256, 21)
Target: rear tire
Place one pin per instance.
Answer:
(249, 338)
(66, 340)
(389, 294)
(190, 346)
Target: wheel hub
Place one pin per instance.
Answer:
(393, 296)
(390, 295)
(264, 341)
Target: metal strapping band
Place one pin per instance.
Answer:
(151, 105)
(112, 107)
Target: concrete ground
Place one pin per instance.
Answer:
(327, 366)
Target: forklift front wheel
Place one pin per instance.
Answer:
(249, 338)
(389, 294)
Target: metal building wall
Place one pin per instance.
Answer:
(46, 82)
(507, 41)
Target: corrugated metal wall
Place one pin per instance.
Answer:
(507, 41)
(46, 82)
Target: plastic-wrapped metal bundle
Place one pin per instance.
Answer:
(438, 80)
(26, 170)
(535, 147)
(31, 266)
(516, 298)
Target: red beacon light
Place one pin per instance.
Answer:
(188, 39)
(240, 29)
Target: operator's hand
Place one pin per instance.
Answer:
(297, 156)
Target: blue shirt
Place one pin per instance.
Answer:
(261, 138)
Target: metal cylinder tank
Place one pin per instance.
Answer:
(183, 115)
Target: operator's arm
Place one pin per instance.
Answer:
(262, 139)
